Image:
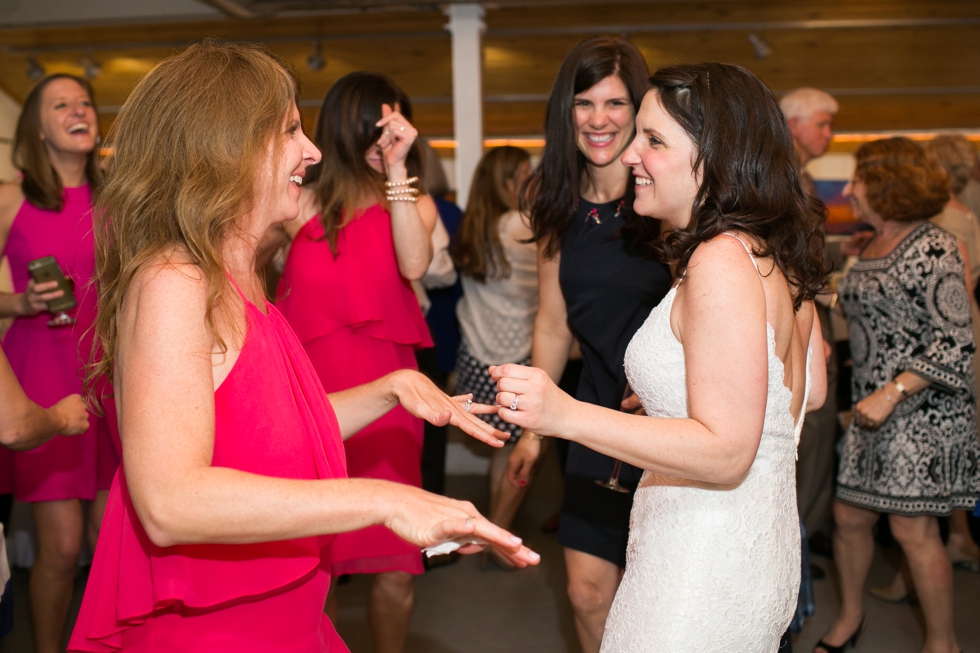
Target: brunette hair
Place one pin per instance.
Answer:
(955, 154)
(183, 170)
(345, 131)
(551, 194)
(41, 185)
(478, 252)
(750, 177)
(903, 183)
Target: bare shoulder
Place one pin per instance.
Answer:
(723, 258)
(11, 198)
(169, 286)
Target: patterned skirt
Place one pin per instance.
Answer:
(472, 376)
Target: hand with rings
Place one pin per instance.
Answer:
(530, 399)
(396, 140)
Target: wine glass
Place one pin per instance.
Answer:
(62, 318)
(613, 482)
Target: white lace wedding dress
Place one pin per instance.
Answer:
(709, 568)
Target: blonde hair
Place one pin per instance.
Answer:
(955, 154)
(187, 143)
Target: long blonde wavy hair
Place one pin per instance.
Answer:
(187, 144)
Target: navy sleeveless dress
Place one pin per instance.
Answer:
(610, 287)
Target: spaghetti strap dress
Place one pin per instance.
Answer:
(609, 289)
(48, 361)
(271, 417)
(359, 320)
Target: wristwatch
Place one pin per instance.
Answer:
(901, 388)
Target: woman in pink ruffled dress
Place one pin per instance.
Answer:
(363, 233)
(220, 522)
(48, 212)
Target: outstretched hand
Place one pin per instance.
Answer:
(422, 398)
(540, 405)
(428, 520)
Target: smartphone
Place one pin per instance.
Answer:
(46, 269)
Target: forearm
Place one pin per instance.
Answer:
(412, 238)
(678, 447)
(12, 305)
(25, 425)
(228, 506)
(550, 345)
(361, 405)
(912, 384)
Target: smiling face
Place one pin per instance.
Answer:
(67, 118)
(661, 158)
(281, 175)
(603, 117)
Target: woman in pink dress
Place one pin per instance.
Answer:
(220, 520)
(48, 212)
(362, 234)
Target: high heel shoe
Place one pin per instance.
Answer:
(850, 643)
(960, 558)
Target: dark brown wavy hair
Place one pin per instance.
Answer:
(904, 183)
(750, 175)
(477, 251)
(551, 194)
(345, 131)
(41, 184)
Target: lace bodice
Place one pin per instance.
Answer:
(709, 568)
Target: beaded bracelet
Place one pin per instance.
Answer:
(397, 184)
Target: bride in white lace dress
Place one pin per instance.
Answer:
(721, 367)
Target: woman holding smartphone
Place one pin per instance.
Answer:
(48, 212)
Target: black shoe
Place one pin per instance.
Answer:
(850, 643)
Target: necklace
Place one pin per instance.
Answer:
(592, 217)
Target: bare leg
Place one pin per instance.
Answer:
(505, 499)
(59, 541)
(854, 549)
(592, 584)
(96, 509)
(933, 577)
(390, 610)
(961, 547)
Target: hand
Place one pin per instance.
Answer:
(632, 405)
(426, 520)
(542, 407)
(523, 460)
(397, 137)
(34, 299)
(422, 398)
(71, 411)
(872, 411)
(857, 243)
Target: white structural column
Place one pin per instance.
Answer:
(466, 26)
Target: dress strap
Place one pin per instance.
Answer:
(239, 290)
(747, 250)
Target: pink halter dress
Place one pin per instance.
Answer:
(358, 320)
(48, 361)
(272, 418)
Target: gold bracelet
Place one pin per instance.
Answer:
(530, 435)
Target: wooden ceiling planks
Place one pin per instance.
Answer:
(870, 66)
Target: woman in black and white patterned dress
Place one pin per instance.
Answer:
(912, 450)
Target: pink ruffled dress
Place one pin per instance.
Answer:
(358, 320)
(271, 418)
(48, 361)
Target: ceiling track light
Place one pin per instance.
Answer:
(760, 48)
(316, 61)
(91, 68)
(34, 70)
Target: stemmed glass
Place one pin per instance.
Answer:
(613, 482)
(62, 318)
